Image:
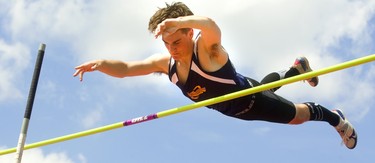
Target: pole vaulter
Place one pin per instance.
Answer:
(196, 105)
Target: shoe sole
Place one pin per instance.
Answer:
(354, 134)
(306, 68)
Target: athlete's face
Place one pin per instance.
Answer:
(179, 44)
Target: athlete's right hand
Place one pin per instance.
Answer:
(85, 67)
(167, 27)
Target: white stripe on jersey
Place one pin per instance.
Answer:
(174, 78)
(195, 68)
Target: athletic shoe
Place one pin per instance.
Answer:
(302, 65)
(346, 131)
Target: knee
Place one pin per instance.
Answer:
(302, 114)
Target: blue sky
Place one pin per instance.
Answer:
(260, 36)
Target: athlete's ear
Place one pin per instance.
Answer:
(191, 33)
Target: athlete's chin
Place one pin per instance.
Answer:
(175, 57)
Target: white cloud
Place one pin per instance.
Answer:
(92, 118)
(116, 30)
(351, 24)
(37, 155)
(32, 20)
(299, 27)
(82, 158)
(14, 59)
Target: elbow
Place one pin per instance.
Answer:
(119, 76)
(211, 26)
(211, 22)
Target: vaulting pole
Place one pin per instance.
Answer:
(196, 105)
(30, 102)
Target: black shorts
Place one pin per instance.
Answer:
(268, 107)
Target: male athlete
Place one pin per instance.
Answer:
(201, 68)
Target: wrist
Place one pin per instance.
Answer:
(180, 21)
(98, 64)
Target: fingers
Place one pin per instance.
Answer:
(165, 28)
(165, 32)
(81, 76)
(81, 69)
(79, 72)
(158, 30)
(76, 73)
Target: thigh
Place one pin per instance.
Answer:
(270, 107)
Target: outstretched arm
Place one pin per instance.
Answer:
(120, 69)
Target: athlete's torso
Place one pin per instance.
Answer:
(201, 85)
